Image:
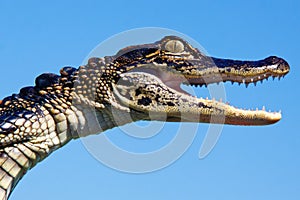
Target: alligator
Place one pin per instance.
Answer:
(140, 82)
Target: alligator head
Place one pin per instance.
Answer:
(148, 77)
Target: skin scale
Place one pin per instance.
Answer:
(137, 82)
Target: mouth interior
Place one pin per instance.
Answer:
(172, 79)
(178, 82)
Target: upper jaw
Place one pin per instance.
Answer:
(218, 70)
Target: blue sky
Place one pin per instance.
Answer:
(247, 162)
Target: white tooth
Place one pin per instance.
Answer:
(265, 75)
(251, 79)
(258, 77)
(244, 81)
(263, 108)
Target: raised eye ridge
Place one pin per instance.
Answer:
(174, 46)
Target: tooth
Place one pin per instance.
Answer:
(232, 82)
(263, 108)
(251, 79)
(247, 85)
(255, 83)
(258, 77)
(244, 81)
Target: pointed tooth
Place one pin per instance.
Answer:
(232, 82)
(247, 84)
(244, 81)
(263, 108)
(251, 79)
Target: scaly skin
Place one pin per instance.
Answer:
(138, 82)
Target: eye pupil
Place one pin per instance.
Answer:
(174, 46)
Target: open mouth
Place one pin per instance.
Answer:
(210, 111)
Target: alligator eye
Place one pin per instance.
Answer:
(174, 46)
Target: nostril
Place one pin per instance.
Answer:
(272, 60)
(281, 64)
(284, 66)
